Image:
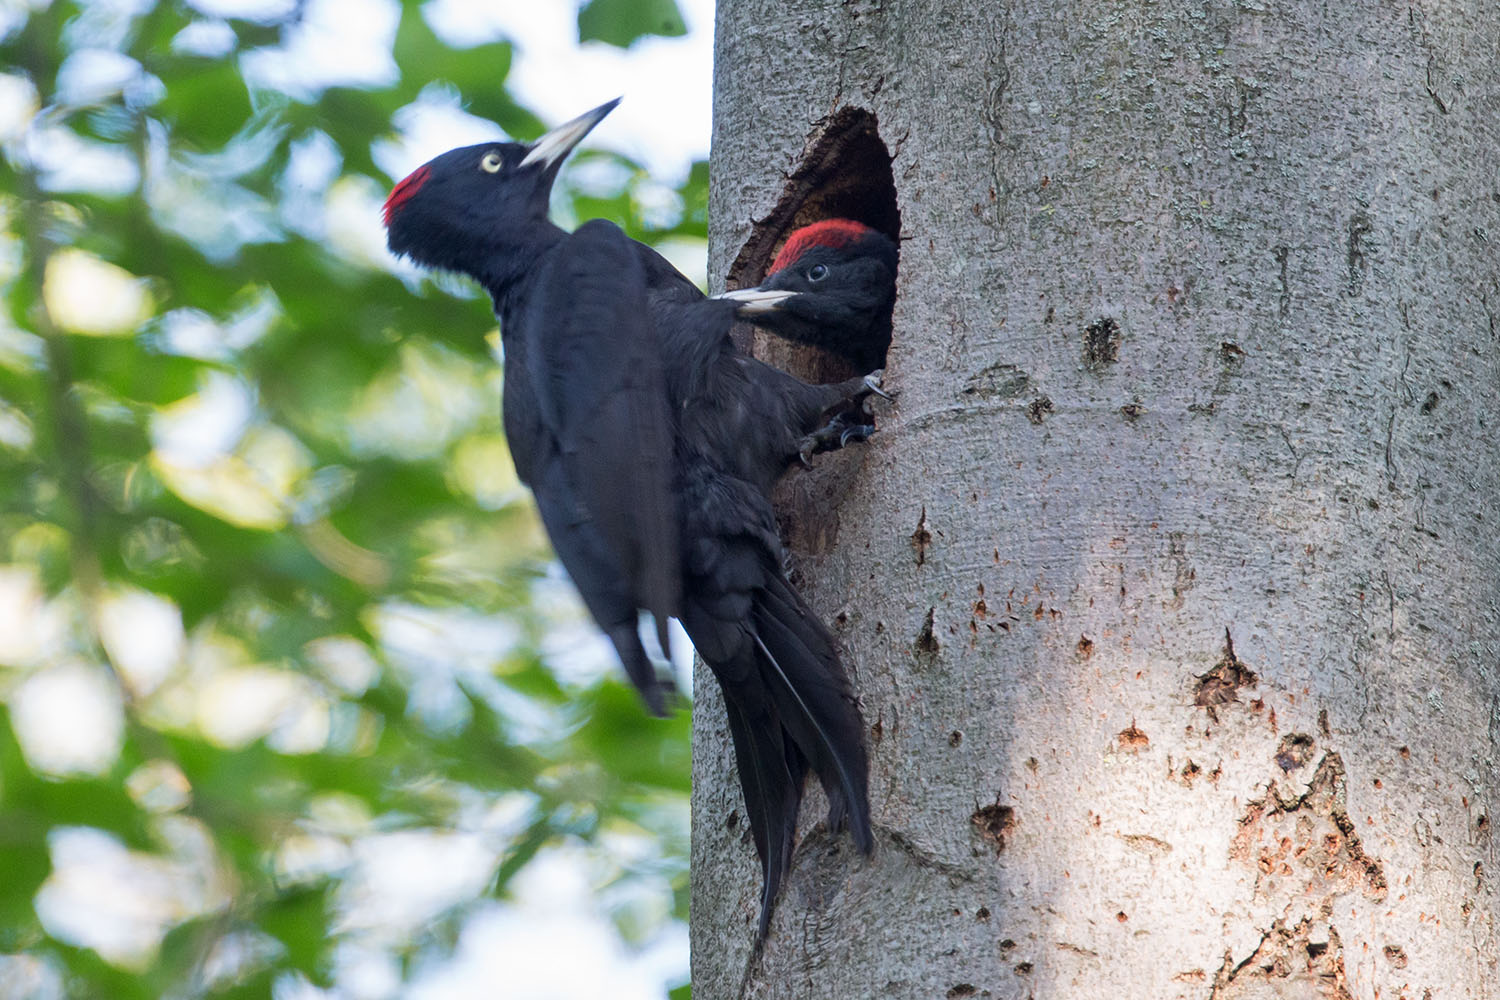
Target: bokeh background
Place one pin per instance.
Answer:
(294, 701)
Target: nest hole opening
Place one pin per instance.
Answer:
(844, 173)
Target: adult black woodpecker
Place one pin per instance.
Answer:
(845, 275)
(650, 445)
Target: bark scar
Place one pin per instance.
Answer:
(1221, 685)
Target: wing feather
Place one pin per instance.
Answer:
(595, 357)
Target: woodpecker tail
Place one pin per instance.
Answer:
(771, 775)
(807, 682)
(789, 701)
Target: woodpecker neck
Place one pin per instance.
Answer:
(507, 259)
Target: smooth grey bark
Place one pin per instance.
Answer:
(1170, 580)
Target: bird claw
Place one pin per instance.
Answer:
(859, 432)
(847, 420)
(837, 433)
(873, 382)
(818, 441)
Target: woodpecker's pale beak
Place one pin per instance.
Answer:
(756, 301)
(552, 147)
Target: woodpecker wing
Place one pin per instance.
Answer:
(595, 361)
(590, 560)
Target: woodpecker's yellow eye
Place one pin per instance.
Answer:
(491, 163)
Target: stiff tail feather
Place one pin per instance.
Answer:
(771, 781)
(812, 697)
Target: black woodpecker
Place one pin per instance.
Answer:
(650, 444)
(844, 274)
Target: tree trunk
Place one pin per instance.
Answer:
(1169, 581)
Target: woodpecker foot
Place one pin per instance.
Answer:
(873, 382)
(841, 429)
(860, 432)
(848, 418)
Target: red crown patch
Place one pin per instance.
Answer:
(828, 233)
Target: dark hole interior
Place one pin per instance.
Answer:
(845, 172)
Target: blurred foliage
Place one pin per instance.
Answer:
(620, 22)
(259, 535)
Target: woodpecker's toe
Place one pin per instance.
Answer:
(859, 432)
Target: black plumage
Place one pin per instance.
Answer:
(651, 445)
(844, 276)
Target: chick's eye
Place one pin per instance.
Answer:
(491, 163)
(817, 272)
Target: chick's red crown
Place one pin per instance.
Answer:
(827, 233)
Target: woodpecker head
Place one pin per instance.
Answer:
(461, 209)
(832, 285)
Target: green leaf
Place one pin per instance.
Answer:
(152, 44)
(207, 105)
(27, 865)
(130, 372)
(478, 72)
(352, 118)
(255, 33)
(621, 22)
(639, 748)
(32, 805)
(298, 918)
(93, 978)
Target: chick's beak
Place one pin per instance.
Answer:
(758, 301)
